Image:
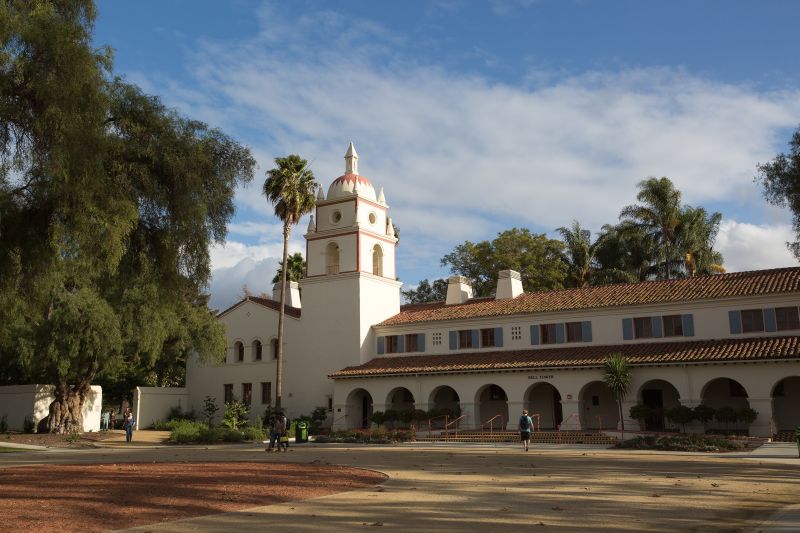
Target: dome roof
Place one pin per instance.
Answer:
(346, 186)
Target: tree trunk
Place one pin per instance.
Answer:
(281, 312)
(621, 421)
(66, 410)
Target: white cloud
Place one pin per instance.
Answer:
(462, 157)
(746, 246)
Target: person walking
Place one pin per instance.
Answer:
(525, 424)
(275, 433)
(104, 420)
(128, 421)
(284, 438)
(113, 419)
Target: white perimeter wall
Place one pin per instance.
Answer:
(19, 401)
(151, 404)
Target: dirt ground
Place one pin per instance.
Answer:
(84, 440)
(102, 497)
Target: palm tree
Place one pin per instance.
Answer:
(658, 216)
(695, 239)
(623, 253)
(581, 257)
(297, 269)
(291, 188)
(617, 378)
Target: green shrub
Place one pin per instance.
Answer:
(185, 431)
(684, 443)
(726, 415)
(703, 413)
(209, 409)
(681, 414)
(378, 418)
(235, 416)
(747, 415)
(640, 412)
(28, 425)
(254, 433)
(177, 413)
(232, 435)
(4, 423)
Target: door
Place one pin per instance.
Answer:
(654, 399)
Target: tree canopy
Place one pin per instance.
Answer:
(108, 203)
(780, 179)
(427, 292)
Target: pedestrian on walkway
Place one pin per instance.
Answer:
(113, 419)
(105, 420)
(128, 422)
(525, 424)
(275, 433)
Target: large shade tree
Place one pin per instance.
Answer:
(780, 179)
(108, 203)
(291, 189)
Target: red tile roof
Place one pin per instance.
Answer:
(707, 351)
(758, 282)
(266, 302)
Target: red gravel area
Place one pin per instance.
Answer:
(88, 498)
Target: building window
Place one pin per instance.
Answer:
(392, 345)
(228, 392)
(574, 331)
(595, 401)
(247, 393)
(266, 392)
(330, 404)
(238, 349)
(787, 318)
(487, 337)
(412, 342)
(274, 348)
(516, 333)
(437, 339)
(752, 320)
(643, 327)
(548, 333)
(257, 350)
(332, 258)
(673, 326)
(377, 260)
(465, 338)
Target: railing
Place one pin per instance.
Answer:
(430, 427)
(538, 418)
(452, 422)
(491, 423)
(565, 423)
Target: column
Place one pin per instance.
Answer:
(630, 424)
(514, 412)
(571, 409)
(762, 426)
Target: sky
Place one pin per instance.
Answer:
(479, 116)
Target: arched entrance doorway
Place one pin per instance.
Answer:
(545, 400)
(725, 394)
(660, 396)
(400, 399)
(359, 409)
(599, 410)
(491, 401)
(786, 403)
(445, 400)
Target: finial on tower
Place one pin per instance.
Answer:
(351, 160)
(381, 197)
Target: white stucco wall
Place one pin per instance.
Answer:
(151, 404)
(19, 401)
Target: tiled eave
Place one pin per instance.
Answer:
(754, 349)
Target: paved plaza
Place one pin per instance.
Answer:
(477, 488)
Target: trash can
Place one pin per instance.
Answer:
(301, 431)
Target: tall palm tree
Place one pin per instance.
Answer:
(297, 269)
(658, 216)
(623, 253)
(581, 257)
(695, 240)
(291, 188)
(617, 377)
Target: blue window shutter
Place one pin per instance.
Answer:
(498, 337)
(421, 342)
(657, 326)
(688, 325)
(560, 333)
(586, 331)
(534, 334)
(627, 329)
(453, 340)
(401, 343)
(381, 341)
(735, 319)
(770, 322)
(476, 338)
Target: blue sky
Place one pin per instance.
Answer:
(480, 116)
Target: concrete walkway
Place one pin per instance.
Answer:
(477, 488)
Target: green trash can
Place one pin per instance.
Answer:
(301, 431)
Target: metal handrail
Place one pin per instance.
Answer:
(447, 426)
(446, 417)
(538, 421)
(491, 422)
(564, 422)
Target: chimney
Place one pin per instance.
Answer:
(292, 293)
(458, 290)
(509, 284)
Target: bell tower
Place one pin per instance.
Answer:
(351, 281)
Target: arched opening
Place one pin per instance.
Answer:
(728, 397)
(400, 399)
(358, 409)
(238, 351)
(491, 401)
(445, 400)
(786, 403)
(377, 260)
(543, 399)
(658, 396)
(257, 350)
(273, 348)
(599, 409)
(332, 258)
